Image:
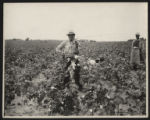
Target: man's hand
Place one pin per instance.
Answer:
(76, 56)
(60, 47)
(59, 51)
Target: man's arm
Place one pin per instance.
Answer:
(60, 46)
(79, 44)
(77, 47)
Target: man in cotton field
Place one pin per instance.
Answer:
(69, 50)
(135, 52)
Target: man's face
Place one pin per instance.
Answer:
(71, 37)
(137, 36)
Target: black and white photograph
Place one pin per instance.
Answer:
(75, 60)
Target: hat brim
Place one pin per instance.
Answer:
(70, 34)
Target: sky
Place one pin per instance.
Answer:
(93, 21)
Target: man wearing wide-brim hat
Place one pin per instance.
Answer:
(69, 49)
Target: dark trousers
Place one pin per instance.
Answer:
(67, 62)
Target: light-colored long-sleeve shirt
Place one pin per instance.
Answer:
(68, 48)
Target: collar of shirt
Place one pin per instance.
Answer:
(72, 41)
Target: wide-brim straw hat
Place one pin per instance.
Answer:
(71, 33)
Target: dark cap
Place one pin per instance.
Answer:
(137, 34)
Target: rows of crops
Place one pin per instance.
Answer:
(34, 86)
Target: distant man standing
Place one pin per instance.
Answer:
(135, 52)
(69, 49)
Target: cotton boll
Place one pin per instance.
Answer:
(76, 56)
(101, 106)
(91, 110)
(107, 96)
(83, 96)
(78, 64)
(52, 88)
(92, 62)
(73, 65)
(85, 67)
